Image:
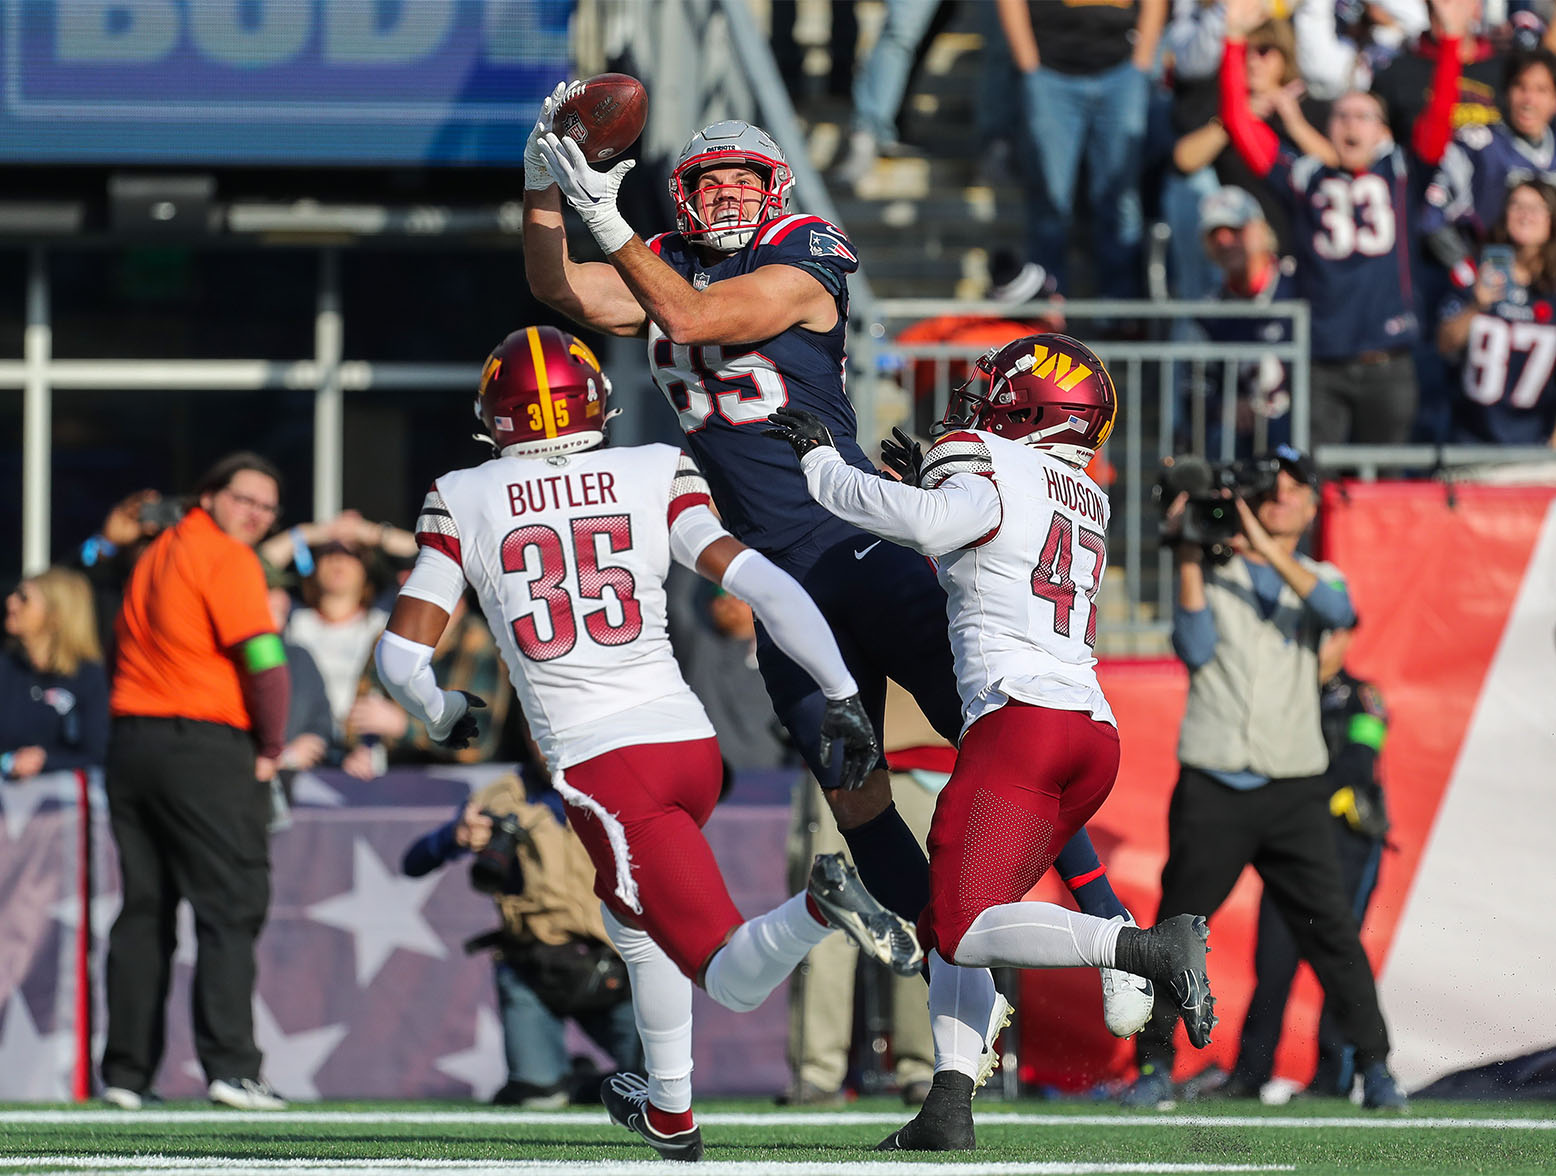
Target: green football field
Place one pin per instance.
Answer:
(1027, 1139)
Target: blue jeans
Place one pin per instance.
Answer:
(1190, 273)
(532, 1035)
(1102, 116)
(880, 82)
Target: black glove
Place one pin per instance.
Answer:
(803, 430)
(464, 730)
(845, 722)
(903, 456)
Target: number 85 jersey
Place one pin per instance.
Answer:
(568, 558)
(722, 395)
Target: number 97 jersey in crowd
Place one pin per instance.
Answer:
(722, 395)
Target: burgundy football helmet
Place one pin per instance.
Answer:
(1047, 391)
(542, 393)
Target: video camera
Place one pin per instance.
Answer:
(1210, 519)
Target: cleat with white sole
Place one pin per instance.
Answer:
(836, 890)
(1126, 998)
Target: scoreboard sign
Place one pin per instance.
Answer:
(276, 81)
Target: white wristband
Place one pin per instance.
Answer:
(609, 227)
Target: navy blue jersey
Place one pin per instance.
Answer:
(723, 395)
(1263, 383)
(1508, 396)
(1477, 169)
(1352, 248)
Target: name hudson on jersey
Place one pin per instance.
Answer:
(562, 490)
(1070, 493)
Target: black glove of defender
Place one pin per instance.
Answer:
(846, 723)
(803, 430)
(903, 456)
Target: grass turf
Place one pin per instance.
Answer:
(1306, 1138)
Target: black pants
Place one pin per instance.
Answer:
(190, 822)
(1364, 403)
(1283, 831)
(1275, 961)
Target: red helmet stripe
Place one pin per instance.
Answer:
(543, 381)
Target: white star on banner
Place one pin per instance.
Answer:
(105, 908)
(309, 789)
(483, 1066)
(291, 1059)
(33, 1065)
(22, 798)
(382, 910)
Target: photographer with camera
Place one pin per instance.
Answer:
(551, 958)
(1251, 614)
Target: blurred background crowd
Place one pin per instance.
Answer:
(998, 164)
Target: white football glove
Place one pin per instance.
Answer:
(592, 194)
(536, 174)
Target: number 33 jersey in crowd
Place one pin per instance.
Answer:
(568, 558)
(722, 395)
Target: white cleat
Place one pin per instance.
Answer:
(989, 1059)
(1126, 998)
(245, 1094)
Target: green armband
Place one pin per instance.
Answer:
(1368, 730)
(264, 652)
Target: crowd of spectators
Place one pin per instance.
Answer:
(1381, 140)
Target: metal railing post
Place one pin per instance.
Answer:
(328, 399)
(37, 417)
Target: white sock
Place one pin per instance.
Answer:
(761, 954)
(662, 1008)
(961, 1000)
(1037, 935)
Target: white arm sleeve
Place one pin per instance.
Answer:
(405, 668)
(692, 532)
(792, 618)
(960, 511)
(436, 579)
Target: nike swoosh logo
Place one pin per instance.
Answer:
(867, 550)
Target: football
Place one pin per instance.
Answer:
(604, 117)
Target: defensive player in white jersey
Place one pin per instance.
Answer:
(1019, 532)
(567, 545)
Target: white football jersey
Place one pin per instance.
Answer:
(568, 557)
(1022, 599)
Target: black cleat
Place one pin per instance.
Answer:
(943, 1123)
(1172, 954)
(1380, 1090)
(836, 889)
(626, 1101)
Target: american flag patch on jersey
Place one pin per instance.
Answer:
(955, 453)
(435, 527)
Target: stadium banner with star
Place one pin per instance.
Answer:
(364, 990)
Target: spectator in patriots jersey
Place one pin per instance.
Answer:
(1505, 333)
(567, 544)
(745, 308)
(1353, 267)
(1018, 531)
(1466, 196)
(1241, 244)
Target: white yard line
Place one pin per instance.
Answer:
(594, 1116)
(189, 1166)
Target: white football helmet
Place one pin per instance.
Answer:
(727, 144)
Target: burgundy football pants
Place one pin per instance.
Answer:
(1026, 779)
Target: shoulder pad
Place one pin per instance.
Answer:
(961, 452)
(808, 238)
